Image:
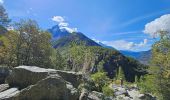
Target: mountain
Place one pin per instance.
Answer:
(88, 56)
(57, 33)
(61, 38)
(143, 56)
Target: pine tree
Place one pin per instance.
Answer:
(4, 20)
(120, 74)
(160, 59)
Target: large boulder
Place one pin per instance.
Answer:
(37, 83)
(4, 72)
(24, 76)
(51, 88)
(72, 92)
(73, 77)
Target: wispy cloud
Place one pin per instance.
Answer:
(126, 45)
(1, 1)
(125, 33)
(140, 18)
(63, 24)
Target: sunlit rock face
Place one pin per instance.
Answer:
(34, 83)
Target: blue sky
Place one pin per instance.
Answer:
(118, 23)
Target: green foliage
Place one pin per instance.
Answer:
(147, 84)
(136, 79)
(107, 91)
(4, 20)
(91, 59)
(120, 74)
(100, 79)
(58, 62)
(160, 59)
(27, 45)
(157, 81)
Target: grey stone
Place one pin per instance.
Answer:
(72, 77)
(24, 76)
(51, 88)
(9, 94)
(94, 95)
(3, 87)
(4, 72)
(73, 93)
(146, 97)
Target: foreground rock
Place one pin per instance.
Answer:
(131, 93)
(9, 94)
(72, 77)
(51, 88)
(24, 76)
(3, 87)
(4, 72)
(37, 83)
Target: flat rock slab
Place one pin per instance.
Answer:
(24, 76)
(9, 93)
(3, 87)
(35, 69)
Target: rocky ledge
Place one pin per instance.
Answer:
(34, 83)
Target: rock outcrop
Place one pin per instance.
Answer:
(3, 87)
(72, 77)
(51, 88)
(4, 72)
(34, 83)
(9, 94)
(24, 76)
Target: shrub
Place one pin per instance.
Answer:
(108, 91)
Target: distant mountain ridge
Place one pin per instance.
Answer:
(62, 38)
(57, 33)
(143, 56)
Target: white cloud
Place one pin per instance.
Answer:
(1, 1)
(160, 24)
(125, 45)
(63, 25)
(58, 19)
(120, 44)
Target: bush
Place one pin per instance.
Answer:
(100, 79)
(108, 91)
